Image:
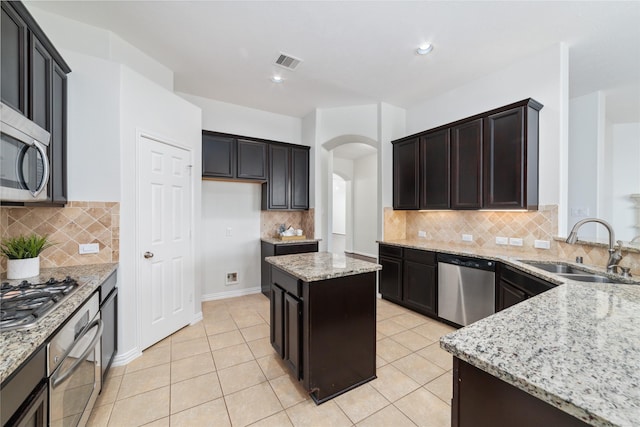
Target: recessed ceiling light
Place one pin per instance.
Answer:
(277, 79)
(424, 48)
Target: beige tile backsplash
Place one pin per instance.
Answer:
(77, 222)
(271, 220)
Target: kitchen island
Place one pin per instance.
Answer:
(570, 356)
(323, 320)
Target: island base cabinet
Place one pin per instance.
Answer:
(339, 334)
(292, 316)
(482, 400)
(277, 320)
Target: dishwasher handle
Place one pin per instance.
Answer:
(477, 263)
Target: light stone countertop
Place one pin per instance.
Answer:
(576, 347)
(316, 266)
(18, 344)
(277, 241)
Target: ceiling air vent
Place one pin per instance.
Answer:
(287, 61)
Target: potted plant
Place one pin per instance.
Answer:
(23, 255)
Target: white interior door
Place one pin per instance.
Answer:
(166, 270)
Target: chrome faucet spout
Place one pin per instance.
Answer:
(615, 255)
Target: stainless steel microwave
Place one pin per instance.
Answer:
(24, 165)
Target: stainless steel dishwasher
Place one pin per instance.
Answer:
(466, 288)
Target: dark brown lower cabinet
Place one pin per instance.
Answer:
(277, 319)
(482, 400)
(24, 394)
(276, 249)
(514, 286)
(292, 319)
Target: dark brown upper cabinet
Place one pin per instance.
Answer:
(406, 174)
(466, 165)
(299, 178)
(287, 186)
(34, 82)
(230, 158)
(511, 158)
(487, 161)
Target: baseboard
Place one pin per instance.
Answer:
(231, 294)
(197, 317)
(125, 358)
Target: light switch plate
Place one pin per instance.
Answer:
(88, 248)
(502, 240)
(467, 237)
(515, 241)
(541, 244)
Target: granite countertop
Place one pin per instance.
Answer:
(277, 241)
(18, 344)
(315, 266)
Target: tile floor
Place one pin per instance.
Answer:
(223, 372)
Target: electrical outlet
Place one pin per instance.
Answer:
(541, 244)
(88, 248)
(422, 233)
(232, 278)
(502, 241)
(467, 237)
(229, 232)
(515, 241)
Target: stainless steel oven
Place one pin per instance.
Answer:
(24, 165)
(74, 367)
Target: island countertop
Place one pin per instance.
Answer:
(576, 347)
(316, 266)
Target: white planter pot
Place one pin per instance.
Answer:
(23, 268)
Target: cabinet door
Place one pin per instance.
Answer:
(109, 341)
(278, 185)
(466, 165)
(277, 320)
(218, 156)
(252, 160)
(390, 278)
(406, 174)
(13, 66)
(292, 331)
(58, 143)
(434, 170)
(419, 283)
(504, 166)
(40, 84)
(299, 178)
(508, 295)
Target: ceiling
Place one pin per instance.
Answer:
(359, 52)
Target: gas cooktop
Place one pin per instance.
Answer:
(23, 304)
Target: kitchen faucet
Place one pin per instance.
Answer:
(615, 255)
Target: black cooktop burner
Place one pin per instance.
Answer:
(21, 305)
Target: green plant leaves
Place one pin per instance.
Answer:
(23, 247)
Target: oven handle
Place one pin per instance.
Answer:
(58, 378)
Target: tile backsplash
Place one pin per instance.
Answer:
(67, 227)
(271, 220)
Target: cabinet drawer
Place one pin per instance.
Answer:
(286, 281)
(530, 284)
(392, 251)
(423, 257)
(296, 249)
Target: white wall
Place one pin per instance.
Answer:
(357, 120)
(236, 206)
(339, 205)
(626, 178)
(540, 77)
(365, 207)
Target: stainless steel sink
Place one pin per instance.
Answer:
(558, 268)
(589, 277)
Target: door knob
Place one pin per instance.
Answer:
(148, 254)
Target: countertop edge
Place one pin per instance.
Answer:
(361, 267)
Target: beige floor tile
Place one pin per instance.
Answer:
(225, 339)
(289, 391)
(380, 362)
(410, 320)
(392, 383)
(255, 332)
(162, 343)
(190, 332)
(213, 413)
(418, 368)
(389, 327)
(141, 409)
(308, 413)
(214, 327)
(425, 409)
(189, 348)
(245, 319)
(272, 366)
(109, 391)
(278, 420)
(230, 356)
(117, 370)
(411, 340)
(239, 377)
(195, 391)
(261, 347)
(100, 415)
(152, 356)
(144, 380)
(438, 356)
(390, 416)
(191, 367)
(379, 336)
(442, 387)
(433, 330)
(252, 404)
(391, 350)
(361, 402)
(162, 422)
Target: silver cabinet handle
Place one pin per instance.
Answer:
(148, 254)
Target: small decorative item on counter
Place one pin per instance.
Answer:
(23, 255)
(281, 229)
